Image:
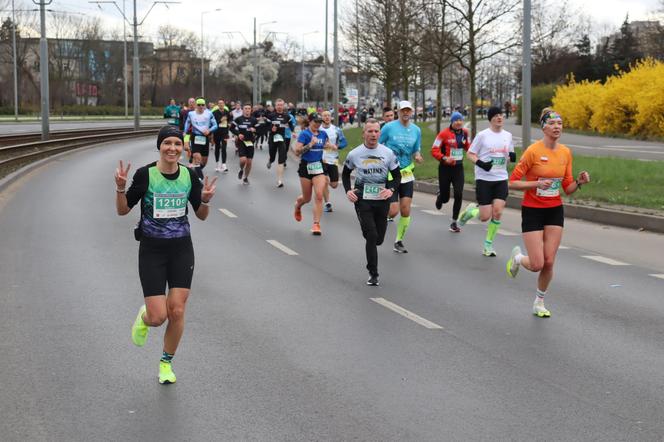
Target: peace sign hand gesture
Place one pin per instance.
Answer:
(209, 188)
(121, 175)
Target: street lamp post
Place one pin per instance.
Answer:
(525, 77)
(15, 63)
(327, 61)
(335, 94)
(43, 68)
(202, 50)
(303, 35)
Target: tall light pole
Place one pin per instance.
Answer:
(43, 68)
(15, 63)
(303, 35)
(202, 50)
(335, 93)
(525, 77)
(254, 95)
(327, 61)
(124, 66)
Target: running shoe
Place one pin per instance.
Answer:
(139, 331)
(328, 207)
(239, 174)
(439, 201)
(269, 164)
(245, 181)
(399, 247)
(224, 168)
(467, 214)
(454, 227)
(489, 251)
(390, 220)
(315, 230)
(512, 266)
(373, 280)
(218, 168)
(539, 310)
(166, 375)
(280, 184)
(298, 213)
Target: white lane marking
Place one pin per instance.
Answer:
(414, 205)
(433, 212)
(228, 213)
(563, 247)
(605, 260)
(406, 313)
(507, 233)
(281, 247)
(658, 275)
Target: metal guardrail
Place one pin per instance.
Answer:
(30, 137)
(13, 157)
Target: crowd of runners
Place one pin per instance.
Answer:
(383, 167)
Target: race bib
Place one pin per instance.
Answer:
(223, 124)
(372, 191)
(499, 162)
(552, 191)
(172, 121)
(315, 168)
(407, 176)
(248, 143)
(457, 154)
(200, 140)
(277, 138)
(169, 205)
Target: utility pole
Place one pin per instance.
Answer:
(525, 75)
(43, 68)
(124, 67)
(15, 63)
(255, 79)
(335, 94)
(327, 61)
(136, 83)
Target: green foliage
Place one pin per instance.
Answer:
(541, 97)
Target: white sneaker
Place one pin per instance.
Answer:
(224, 168)
(539, 310)
(218, 168)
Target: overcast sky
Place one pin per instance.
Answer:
(293, 17)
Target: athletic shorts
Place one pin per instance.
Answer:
(304, 173)
(332, 171)
(199, 148)
(487, 191)
(243, 150)
(405, 190)
(165, 261)
(535, 218)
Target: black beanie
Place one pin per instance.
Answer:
(493, 111)
(168, 131)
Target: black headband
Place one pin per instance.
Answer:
(168, 131)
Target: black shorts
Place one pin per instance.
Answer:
(487, 191)
(332, 171)
(304, 173)
(405, 190)
(165, 261)
(244, 150)
(199, 148)
(535, 218)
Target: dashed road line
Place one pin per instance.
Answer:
(407, 313)
(657, 275)
(228, 213)
(561, 247)
(433, 212)
(605, 260)
(507, 233)
(281, 247)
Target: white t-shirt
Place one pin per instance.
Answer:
(331, 156)
(489, 145)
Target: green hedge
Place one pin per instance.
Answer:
(541, 97)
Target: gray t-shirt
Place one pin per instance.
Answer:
(371, 166)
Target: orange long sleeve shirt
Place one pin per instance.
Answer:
(538, 162)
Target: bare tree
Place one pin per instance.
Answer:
(483, 29)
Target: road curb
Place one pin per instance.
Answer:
(597, 215)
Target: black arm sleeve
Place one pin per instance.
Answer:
(139, 185)
(196, 189)
(234, 128)
(396, 179)
(345, 178)
(513, 157)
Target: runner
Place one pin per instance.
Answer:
(280, 120)
(165, 254)
(388, 115)
(448, 150)
(310, 145)
(262, 127)
(202, 125)
(491, 151)
(244, 127)
(404, 138)
(172, 113)
(372, 163)
(547, 167)
(223, 118)
(331, 156)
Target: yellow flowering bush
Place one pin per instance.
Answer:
(576, 102)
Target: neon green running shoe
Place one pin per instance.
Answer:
(468, 213)
(512, 266)
(166, 375)
(539, 310)
(139, 331)
(488, 250)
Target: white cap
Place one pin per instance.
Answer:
(405, 105)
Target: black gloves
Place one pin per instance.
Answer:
(486, 165)
(513, 157)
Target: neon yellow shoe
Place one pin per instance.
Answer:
(139, 331)
(539, 310)
(512, 266)
(166, 375)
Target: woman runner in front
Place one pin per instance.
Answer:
(547, 168)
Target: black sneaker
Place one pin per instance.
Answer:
(439, 201)
(239, 174)
(454, 227)
(269, 164)
(245, 181)
(399, 247)
(373, 280)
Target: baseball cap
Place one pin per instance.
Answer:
(315, 117)
(405, 105)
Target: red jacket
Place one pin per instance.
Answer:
(445, 142)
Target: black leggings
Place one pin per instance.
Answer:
(278, 148)
(373, 220)
(451, 175)
(220, 145)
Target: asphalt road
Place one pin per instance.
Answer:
(17, 128)
(293, 347)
